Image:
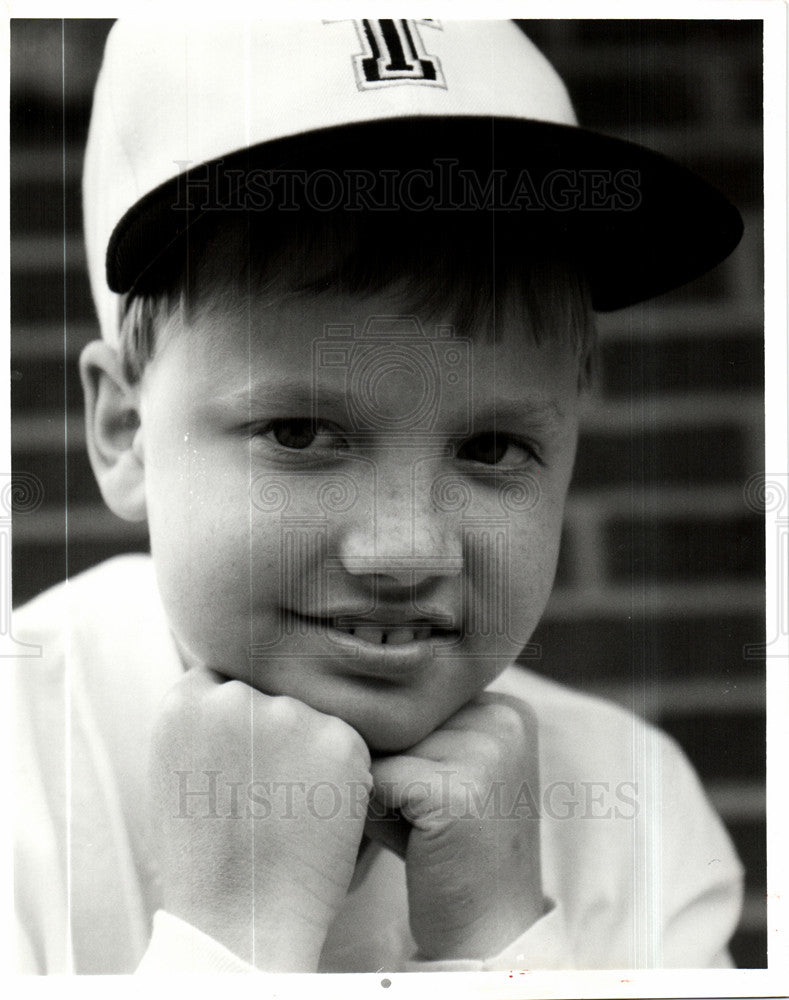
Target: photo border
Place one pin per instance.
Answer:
(666, 983)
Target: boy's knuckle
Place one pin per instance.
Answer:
(341, 740)
(361, 753)
(485, 749)
(511, 719)
(233, 692)
(286, 713)
(335, 731)
(503, 715)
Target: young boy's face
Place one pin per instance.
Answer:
(331, 515)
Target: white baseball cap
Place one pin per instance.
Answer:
(176, 99)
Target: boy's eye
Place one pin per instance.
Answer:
(299, 433)
(497, 449)
(293, 433)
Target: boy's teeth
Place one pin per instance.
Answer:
(396, 636)
(392, 636)
(368, 633)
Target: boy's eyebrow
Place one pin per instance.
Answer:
(285, 394)
(540, 409)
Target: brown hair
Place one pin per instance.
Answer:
(460, 268)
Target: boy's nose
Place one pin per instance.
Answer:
(403, 536)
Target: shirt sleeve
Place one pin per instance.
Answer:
(545, 945)
(178, 947)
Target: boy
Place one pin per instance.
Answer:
(345, 274)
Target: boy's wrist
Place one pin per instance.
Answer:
(543, 945)
(489, 935)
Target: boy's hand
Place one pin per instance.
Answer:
(261, 854)
(473, 850)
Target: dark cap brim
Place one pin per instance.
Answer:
(638, 223)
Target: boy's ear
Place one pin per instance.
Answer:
(114, 433)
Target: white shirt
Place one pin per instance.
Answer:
(637, 869)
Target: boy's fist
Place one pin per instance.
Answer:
(258, 806)
(473, 850)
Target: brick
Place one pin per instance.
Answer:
(738, 175)
(35, 120)
(683, 549)
(750, 841)
(687, 36)
(711, 287)
(749, 948)
(651, 458)
(39, 297)
(587, 653)
(62, 477)
(564, 569)
(615, 101)
(44, 207)
(660, 67)
(681, 363)
(53, 68)
(751, 92)
(721, 746)
(45, 385)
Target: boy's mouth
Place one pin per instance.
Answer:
(381, 633)
(387, 635)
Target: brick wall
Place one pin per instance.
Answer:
(660, 584)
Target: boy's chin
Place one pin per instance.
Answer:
(390, 736)
(386, 727)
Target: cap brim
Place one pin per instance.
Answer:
(638, 223)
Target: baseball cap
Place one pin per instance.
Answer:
(458, 115)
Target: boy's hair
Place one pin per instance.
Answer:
(458, 268)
